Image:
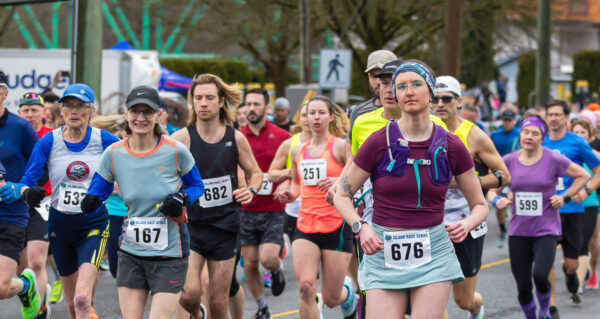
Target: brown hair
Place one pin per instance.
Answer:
(586, 125)
(339, 125)
(230, 93)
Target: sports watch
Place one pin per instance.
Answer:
(499, 177)
(357, 225)
(567, 198)
(253, 190)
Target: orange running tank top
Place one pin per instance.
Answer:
(316, 215)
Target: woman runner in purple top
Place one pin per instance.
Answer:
(535, 226)
(411, 163)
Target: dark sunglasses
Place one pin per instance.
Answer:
(444, 99)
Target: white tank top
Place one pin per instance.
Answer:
(71, 172)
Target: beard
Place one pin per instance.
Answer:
(257, 117)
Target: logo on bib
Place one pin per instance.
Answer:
(78, 171)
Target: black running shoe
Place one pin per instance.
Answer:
(278, 282)
(263, 313)
(554, 312)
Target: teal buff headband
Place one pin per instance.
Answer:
(535, 122)
(420, 69)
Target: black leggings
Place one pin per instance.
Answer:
(527, 253)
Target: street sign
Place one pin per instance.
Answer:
(336, 69)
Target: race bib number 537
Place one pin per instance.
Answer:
(407, 248)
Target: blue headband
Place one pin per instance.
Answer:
(420, 69)
(532, 120)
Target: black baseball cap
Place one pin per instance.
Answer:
(389, 68)
(508, 114)
(143, 95)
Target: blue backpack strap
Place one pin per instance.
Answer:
(440, 172)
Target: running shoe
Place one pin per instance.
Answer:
(479, 315)
(278, 281)
(285, 247)
(104, 265)
(203, 311)
(502, 240)
(45, 310)
(592, 282)
(349, 306)
(320, 304)
(575, 299)
(267, 281)
(263, 313)
(554, 312)
(93, 313)
(56, 293)
(30, 300)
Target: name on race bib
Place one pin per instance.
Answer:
(149, 233)
(217, 192)
(266, 187)
(529, 203)
(70, 195)
(407, 248)
(312, 170)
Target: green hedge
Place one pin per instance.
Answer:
(229, 71)
(586, 66)
(526, 77)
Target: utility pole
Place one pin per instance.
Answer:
(88, 45)
(542, 64)
(305, 60)
(452, 38)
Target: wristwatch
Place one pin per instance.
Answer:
(499, 177)
(588, 190)
(253, 190)
(357, 225)
(567, 198)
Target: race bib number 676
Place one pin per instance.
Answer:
(407, 248)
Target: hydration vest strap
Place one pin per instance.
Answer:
(415, 163)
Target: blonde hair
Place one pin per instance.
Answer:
(230, 93)
(107, 122)
(297, 127)
(340, 124)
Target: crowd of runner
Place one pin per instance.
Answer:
(385, 203)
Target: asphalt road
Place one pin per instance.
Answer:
(496, 285)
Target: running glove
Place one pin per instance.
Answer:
(90, 203)
(173, 205)
(34, 195)
(11, 192)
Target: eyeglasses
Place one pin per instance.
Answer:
(76, 106)
(413, 85)
(445, 99)
(146, 112)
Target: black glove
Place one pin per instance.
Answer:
(90, 203)
(173, 204)
(34, 195)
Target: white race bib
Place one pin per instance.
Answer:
(44, 209)
(406, 248)
(217, 192)
(312, 170)
(266, 188)
(70, 196)
(479, 230)
(529, 203)
(149, 233)
(560, 184)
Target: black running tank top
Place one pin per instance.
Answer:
(217, 164)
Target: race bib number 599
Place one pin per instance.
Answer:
(407, 248)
